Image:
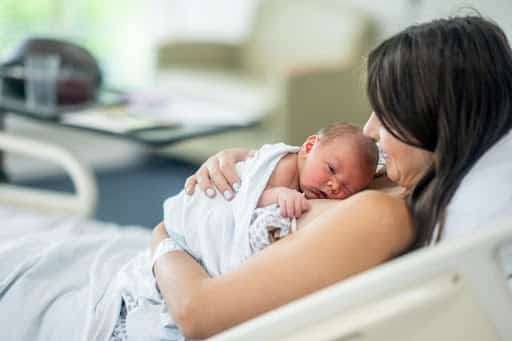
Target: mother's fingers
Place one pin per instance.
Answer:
(190, 184)
(204, 181)
(224, 177)
(218, 173)
(219, 182)
(227, 165)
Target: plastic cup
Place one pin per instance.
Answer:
(41, 73)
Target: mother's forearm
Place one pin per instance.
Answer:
(180, 279)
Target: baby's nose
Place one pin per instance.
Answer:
(334, 186)
(336, 195)
(336, 191)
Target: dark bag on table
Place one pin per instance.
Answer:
(79, 77)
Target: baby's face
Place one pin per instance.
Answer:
(333, 170)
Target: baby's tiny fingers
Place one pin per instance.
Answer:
(290, 208)
(306, 204)
(282, 208)
(298, 208)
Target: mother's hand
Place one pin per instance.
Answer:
(219, 172)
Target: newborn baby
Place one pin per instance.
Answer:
(333, 164)
(277, 183)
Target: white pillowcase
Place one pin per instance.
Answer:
(485, 194)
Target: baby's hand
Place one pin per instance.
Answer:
(292, 203)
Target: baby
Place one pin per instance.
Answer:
(333, 164)
(277, 183)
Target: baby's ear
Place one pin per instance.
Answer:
(310, 142)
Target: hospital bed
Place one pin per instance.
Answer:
(455, 291)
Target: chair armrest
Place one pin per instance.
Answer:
(82, 204)
(320, 94)
(198, 54)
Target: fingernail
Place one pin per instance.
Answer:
(236, 186)
(210, 192)
(228, 195)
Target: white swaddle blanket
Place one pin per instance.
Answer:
(216, 231)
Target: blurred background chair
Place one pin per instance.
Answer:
(298, 69)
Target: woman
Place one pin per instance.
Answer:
(441, 94)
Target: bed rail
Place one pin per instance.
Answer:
(82, 203)
(455, 291)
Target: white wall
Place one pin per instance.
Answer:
(394, 15)
(229, 19)
(497, 10)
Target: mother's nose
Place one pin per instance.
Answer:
(371, 127)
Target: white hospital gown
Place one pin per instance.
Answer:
(267, 224)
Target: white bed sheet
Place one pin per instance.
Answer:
(16, 223)
(57, 275)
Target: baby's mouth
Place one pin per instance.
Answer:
(310, 195)
(319, 194)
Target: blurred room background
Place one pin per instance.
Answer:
(292, 65)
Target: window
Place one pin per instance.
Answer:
(114, 31)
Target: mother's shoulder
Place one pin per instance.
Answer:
(382, 209)
(379, 216)
(389, 210)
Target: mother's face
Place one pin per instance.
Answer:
(405, 164)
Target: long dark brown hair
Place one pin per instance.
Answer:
(444, 86)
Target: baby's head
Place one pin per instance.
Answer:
(336, 162)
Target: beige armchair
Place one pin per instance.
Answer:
(298, 69)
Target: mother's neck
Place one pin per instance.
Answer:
(383, 184)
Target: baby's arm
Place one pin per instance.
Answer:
(269, 197)
(291, 202)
